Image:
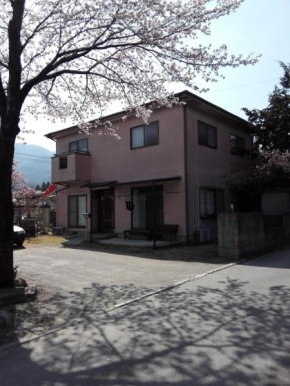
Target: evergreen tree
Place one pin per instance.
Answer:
(270, 127)
(270, 169)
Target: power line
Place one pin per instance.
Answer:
(23, 159)
(243, 85)
(31, 155)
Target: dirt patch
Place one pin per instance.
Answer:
(47, 240)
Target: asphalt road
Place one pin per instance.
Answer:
(228, 328)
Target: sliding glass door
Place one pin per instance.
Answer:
(147, 205)
(77, 205)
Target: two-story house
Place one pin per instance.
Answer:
(167, 172)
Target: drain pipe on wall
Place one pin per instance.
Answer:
(91, 211)
(186, 172)
(198, 206)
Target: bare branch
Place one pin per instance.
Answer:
(40, 27)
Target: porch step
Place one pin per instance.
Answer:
(103, 236)
(137, 237)
(73, 241)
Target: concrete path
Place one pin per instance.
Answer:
(229, 328)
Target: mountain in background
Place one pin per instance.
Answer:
(34, 162)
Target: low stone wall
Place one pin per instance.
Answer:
(242, 234)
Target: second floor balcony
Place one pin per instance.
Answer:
(71, 167)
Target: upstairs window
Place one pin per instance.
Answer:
(145, 135)
(63, 162)
(79, 146)
(237, 144)
(207, 135)
(211, 202)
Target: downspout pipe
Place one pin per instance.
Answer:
(186, 171)
(154, 214)
(91, 216)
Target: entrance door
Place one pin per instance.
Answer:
(106, 216)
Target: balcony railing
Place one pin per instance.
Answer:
(71, 167)
(72, 152)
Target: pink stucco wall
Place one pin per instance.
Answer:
(62, 202)
(207, 166)
(112, 159)
(78, 169)
(63, 140)
(173, 205)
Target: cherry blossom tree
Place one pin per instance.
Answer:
(70, 57)
(270, 169)
(22, 193)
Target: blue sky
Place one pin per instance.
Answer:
(261, 27)
(258, 26)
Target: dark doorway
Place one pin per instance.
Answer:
(106, 214)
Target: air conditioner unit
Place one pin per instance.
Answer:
(202, 235)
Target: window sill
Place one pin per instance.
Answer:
(144, 147)
(210, 147)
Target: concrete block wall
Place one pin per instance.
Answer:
(240, 234)
(286, 221)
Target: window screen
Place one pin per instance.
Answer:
(137, 134)
(62, 162)
(72, 212)
(81, 145)
(237, 144)
(211, 202)
(207, 135)
(145, 135)
(77, 205)
(151, 134)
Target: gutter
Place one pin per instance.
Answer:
(183, 95)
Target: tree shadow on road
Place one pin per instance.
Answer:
(191, 335)
(207, 253)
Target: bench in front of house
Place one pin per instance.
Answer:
(138, 234)
(166, 230)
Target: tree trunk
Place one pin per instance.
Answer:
(10, 107)
(6, 210)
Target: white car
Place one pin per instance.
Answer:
(18, 235)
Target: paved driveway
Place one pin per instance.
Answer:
(67, 270)
(74, 284)
(231, 328)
